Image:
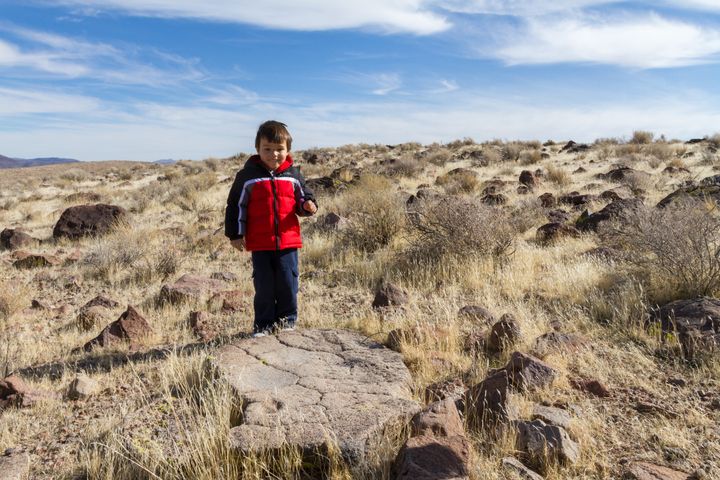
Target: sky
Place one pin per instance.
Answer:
(157, 79)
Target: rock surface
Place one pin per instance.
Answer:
(86, 220)
(190, 287)
(305, 388)
(542, 442)
(12, 239)
(14, 465)
(514, 465)
(649, 471)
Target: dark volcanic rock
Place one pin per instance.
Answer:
(87, 220)
(693, 193)
(612, 211)
(696, 321)
(12, 239)
(432, 458)
(476, 313)
(131, 327)
(504, 334)
(553, 231)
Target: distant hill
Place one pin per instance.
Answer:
(165, 161)
(8, 162)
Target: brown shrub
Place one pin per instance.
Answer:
(676, 249)
(642, 137)
(375, 213)
(558, 176)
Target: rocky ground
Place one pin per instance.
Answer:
(554, 304)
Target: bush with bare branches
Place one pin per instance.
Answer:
(677, 249)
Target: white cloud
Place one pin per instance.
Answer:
(20, 101)
(517, 7)
(68, 57)
(387, 15)
(150, 131)
(385, 83)
(647, 41)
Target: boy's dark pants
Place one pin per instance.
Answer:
(275, 276)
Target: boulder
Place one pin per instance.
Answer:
(494, 199)
(504, 334)
(130, 327)
(612, 211)
(547, 200)
(692, 193)
(576, 200)
(572, 147)
(649, 471)
(553, 231)
(552, 416)
(696, 323)
(433, 458)
(558, 216)
(228, 301)
(486, 404)
(389, 295)
(14, 392)
(88, 220)
(15, 465)
(526, 372)
(528, 179)
(300, 388)
(542, 443)
(190, 288)
(12, 239)
(439, 419)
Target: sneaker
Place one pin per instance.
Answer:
(258, 334)
(287, 328)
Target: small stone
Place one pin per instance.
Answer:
(504, 334)
(513, 465)
(439, 419)
(131, 327)
(527, 372)
(82, 388)
(542, 442)
(389, 295)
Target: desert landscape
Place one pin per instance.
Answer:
(555, 306)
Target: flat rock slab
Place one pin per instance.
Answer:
(310, 387)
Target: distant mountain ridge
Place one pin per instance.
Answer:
(8, 162)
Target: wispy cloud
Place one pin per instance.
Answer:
(28, 101)
(26, 49)
(645, 41)
(410, 16)
(385, 83)
(517, 7)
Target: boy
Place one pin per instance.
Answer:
(261, 216)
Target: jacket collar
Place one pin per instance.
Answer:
(287, 163)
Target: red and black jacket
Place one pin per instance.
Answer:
(263, 206)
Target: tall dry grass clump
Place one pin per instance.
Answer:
(375, 212)
(675, 249)
(642, 137)
(558, 176)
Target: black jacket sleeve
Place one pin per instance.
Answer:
(232, 210)
(305, 194)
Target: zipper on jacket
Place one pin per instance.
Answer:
(275, 209)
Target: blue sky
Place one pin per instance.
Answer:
(153, 79)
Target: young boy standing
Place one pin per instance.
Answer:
(263, 206)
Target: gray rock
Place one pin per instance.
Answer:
(513, 465)
(301, 388)
(527, 372)
(552, 415)
(14, 465)
(542, 442)
(82, 388)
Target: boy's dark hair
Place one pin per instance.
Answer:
(275, 132)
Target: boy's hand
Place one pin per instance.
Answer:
(309, 206)
(238, 244)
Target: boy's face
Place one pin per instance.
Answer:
(272, 154)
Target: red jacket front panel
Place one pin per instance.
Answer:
(263, 206)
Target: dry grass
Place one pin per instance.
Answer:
(464, 254)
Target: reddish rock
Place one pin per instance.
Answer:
(453, 388)
(228, 301)
(101, 301)
(477, 313)
(15, 465)
(486, 403)
(131, 327)
(553, 231)
(439, 419)
(528, 179)
(88, 220)
(36, 261)
(389, 295)
(433, 458)
(202, 326)
(649, 471)
(12, 239)
(494, 199)
(526, 372)
(590, 386)
(188, 288)
(504, 334)
(552, 342)
(14, 392)
(547, 200)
